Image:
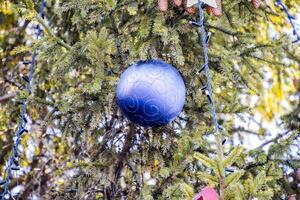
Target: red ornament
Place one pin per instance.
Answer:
(218, 10)
(190, 10)
(292, 197)
(215, 11)
(177, 2)
(207, 193)
(162, 5)
(256, 3)
(209, 10)
(297, 175)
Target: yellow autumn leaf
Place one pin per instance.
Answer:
(6, 8)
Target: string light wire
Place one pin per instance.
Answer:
(291, 18)
(13, 161)
(207, 88)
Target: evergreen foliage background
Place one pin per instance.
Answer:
(81, 147)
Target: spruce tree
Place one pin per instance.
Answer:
(79, 144)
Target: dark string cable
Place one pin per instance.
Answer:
(207, 88)
(13, 162)
(291, 18)
(205, 38)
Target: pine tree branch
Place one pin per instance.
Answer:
(242, 129)
(12, 82)
(256, 164)
(222, 29)
(259, 164)
(123, 156)
(220, 158)
(4, 65)
(255, 70)
(117, 40)
(251, 10)
(253, 49)
(41, 101)
(292, 56)
(7, 97)
(51, 34)
(275, 139)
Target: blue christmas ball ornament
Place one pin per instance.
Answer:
(151, 93)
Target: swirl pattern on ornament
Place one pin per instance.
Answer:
(151, 93)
